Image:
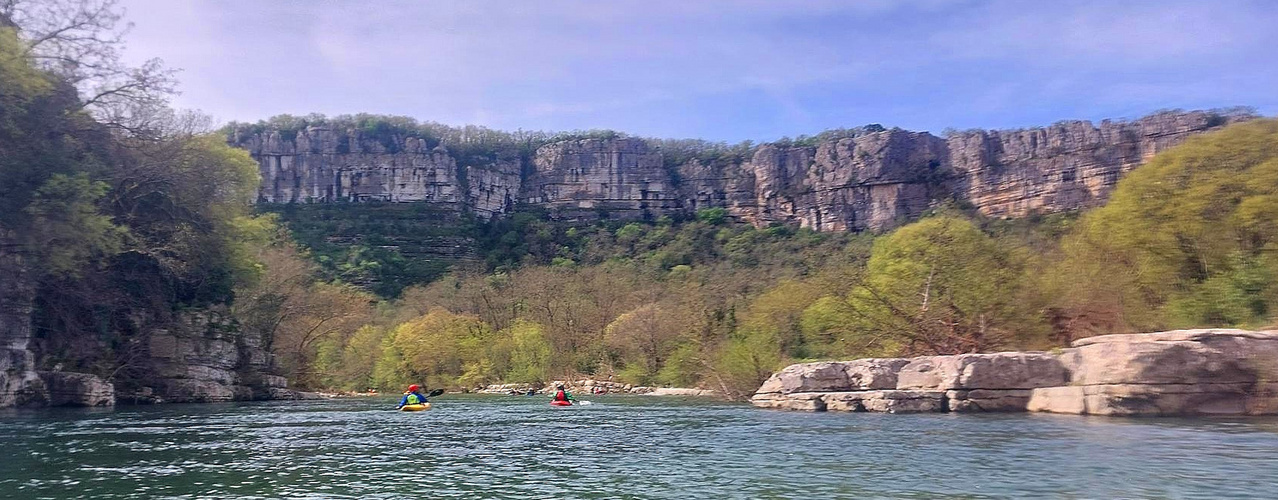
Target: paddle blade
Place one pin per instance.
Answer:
(435, 392)
(584, 403)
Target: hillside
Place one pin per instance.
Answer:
(436, 185)
(1186, 241)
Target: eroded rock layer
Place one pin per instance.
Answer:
(1186, 372)
(196, 356)
(874, 179)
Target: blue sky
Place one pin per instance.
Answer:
(714, 69)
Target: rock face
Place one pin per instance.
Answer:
(320, 164)
(614, 175)
(1189, 372)
(966, 382)
(874, 179)
(20, 385)
(202, 358)
(1066, 166)
(77, 389)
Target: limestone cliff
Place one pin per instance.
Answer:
(623, 175)
(1066, 166)
(875, 179)
(192, 356)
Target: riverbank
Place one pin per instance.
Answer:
(1184, 372)
(588, 386)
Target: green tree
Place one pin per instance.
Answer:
(530, 353)
(942, 286)
(1190, 239)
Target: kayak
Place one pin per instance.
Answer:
(417, 407)
(561, 403)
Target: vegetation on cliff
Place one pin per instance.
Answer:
(1188, 240)
(116, 212)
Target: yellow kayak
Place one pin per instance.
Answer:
(417, 407)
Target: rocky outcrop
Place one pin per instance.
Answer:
(204, 357)
(966, 382)
(20, 385)
(77, 389)
(1067, 166)
(1190, 372)
(622, 176)
(585, 387)
(871, 178)
(201, 356)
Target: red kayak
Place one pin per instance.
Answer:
(561, 403)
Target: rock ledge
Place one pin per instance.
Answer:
(1183, 372)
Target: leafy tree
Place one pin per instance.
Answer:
(530, 357)
(942, 286)
(1189, 238)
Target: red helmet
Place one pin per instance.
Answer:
(412, 388)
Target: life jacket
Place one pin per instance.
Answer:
(414, 399)
(560, 396)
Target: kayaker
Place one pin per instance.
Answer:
(562, 394)
(412, 397)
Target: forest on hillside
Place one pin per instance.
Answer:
(118, 214)
(1187, 240)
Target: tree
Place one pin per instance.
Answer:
(1188, 239)
(644, 337)
(441, 347)
(941, 286)
(530, 356)
(80, 42)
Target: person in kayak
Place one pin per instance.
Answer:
(562, 394)
(412, 397)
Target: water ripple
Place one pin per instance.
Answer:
(620, 447)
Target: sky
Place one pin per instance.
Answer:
(714, 69)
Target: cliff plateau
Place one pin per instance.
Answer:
(873, 179)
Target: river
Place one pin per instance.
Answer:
(619, 447)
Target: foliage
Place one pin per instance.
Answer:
(1188, 239)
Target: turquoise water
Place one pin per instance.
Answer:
(619, 447)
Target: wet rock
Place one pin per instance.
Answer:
(904, 401)
(195, 391)
(890, 401)
(988, 400)
(805, 401)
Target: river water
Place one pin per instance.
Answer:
(619, 447)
